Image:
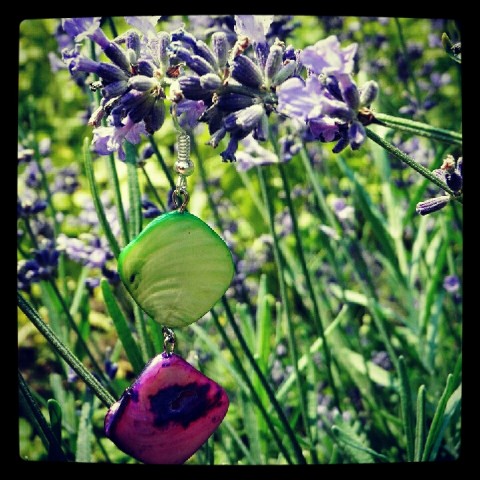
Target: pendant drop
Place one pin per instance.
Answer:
(176, 269)
(168, 413)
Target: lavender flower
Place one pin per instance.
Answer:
(327, 57)
(43, 266)
(332, 106)
(451, 283)
(451, 172)
(132, 86)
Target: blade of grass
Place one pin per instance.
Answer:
(238, 441)
(121, 326)
(84, 437)
(406, 407)
(315, 347)
(134, 194)
(418, 128)
(293, 349)
(354, 447)
(435, 431)
(55, 415)
(112, 241)
(65, 352)
(39, 422)
(253, 392)
(421, 424)
(374, 219)
(453, 404)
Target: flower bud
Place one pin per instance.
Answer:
(118, 56)
(454, 181)
(220, 48)
(368, 93)
(192, 89)
(245, 119)
(349, 91)
(145, 67)
(142, 83)
(246, 72)
(110, 73)
(210, 81)
(274, 62)
(140, 110)
(155, 118)
(114, 89)
(331, 83)
(285, 72)
(432, 205)
(163, 42)
(201, 48)
(133, 42)
(230, 102)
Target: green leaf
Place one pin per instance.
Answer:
(436, 428)
(112, 241)
(421, 424)
(84, 438)
(354, 446)
(39, 422)
(406, 406)
(134, 194)
(55, 413)
(374, 219)
(418, 128)
(451, 408)
(357, 362)
(124, 334)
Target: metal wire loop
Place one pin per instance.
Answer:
(185, 197)
(168, 340)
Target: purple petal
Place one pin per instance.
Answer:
(189, 111)
(255, 27)
(297, 98)
(327, 57)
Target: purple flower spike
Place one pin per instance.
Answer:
(328, 57)
(168, 413)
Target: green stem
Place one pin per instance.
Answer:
(117, 197)
(419, 128)
(39, 421)
(135, 207)
(406, 406)
(248, 382)
(285, 302)
(266, 385)
(74, 326)
(206, 189)
(112, 241)
(412, 163)
(153, 189)
(165, 169)
(420, 426)
(105, 397)
(308, 279)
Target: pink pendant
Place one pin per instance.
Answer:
(168, 413)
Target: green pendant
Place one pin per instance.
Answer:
(176, 269)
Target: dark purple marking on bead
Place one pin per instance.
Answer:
(181, 404)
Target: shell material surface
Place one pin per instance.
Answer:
(176, 269)
(168, 413)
